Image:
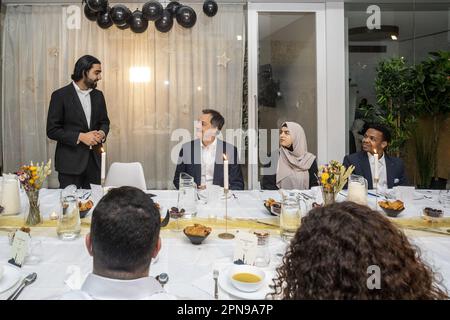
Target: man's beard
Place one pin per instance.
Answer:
(90, 84)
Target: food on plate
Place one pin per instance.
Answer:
(396, 205)
(85, 206)
(269, 202)
(175, 213)
(247, 277)
(434, 213)
(25, 229)
(197, 230)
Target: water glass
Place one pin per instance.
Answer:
(290, 217)
(69, 225)
(35, 252)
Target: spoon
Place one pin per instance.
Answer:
(162, 278)
(29, 279)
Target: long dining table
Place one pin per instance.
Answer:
(62, 265)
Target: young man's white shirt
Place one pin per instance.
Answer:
(101, 288)
(382, 174)
(208, 162)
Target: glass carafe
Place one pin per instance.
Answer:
(357, 189)
(187, 195)
(69, 225)
(290, 217)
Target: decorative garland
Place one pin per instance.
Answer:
(137, 21)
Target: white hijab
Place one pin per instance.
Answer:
(293, 166)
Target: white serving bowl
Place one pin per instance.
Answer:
(243, 285)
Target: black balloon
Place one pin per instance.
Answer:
(165, 23)
(152, 10)
(104, 20)
(97, 5)
(91, 15)
(186, 17)
(173, 7)
(210, 8)
(120, 14)
(137, 22)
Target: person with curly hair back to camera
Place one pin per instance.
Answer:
(337, 248)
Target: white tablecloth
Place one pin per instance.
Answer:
(189, 267)
(241, 204)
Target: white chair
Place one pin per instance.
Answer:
(126, 174)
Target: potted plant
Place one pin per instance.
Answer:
(432, 102)
(395, 93)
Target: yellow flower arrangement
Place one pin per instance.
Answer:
(32, 176)
(333, 176)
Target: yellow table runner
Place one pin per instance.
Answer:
(440, 226)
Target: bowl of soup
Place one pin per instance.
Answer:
(246, 278)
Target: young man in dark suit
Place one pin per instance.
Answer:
(203, 158)
(78, 121)
(391, 169)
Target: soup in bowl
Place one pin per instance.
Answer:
(246, 278)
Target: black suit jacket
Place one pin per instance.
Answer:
(395, 170)
(65, 121)
(189, 161)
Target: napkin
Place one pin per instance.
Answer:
(206, 282)
(74, 279)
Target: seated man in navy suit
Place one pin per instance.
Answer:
(203, 158)
(391, 170)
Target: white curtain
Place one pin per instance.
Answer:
(189, 71)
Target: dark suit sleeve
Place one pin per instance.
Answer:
(180, 168)
(104, 120)
(403, 180)
(55, 122)
(346, 162)
(235, 173)
(312, 175)
(268, 182)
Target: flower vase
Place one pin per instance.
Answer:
(329, 197)
(34, 215)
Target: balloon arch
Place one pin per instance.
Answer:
(137, 21)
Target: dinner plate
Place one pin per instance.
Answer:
(226, 285)
(10, 278)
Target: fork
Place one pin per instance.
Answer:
(216, 286)
(29, 279)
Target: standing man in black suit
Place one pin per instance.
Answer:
(391, 169)
(78, 121)
(203, 158)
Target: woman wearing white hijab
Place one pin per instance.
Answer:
(296, 167)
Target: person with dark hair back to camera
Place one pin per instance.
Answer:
(78, 121)
(347, 251)
(123, 239)
(202, 158)
(391, 169)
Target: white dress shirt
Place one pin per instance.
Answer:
(85, 99)
(100, 288)
(208, 162)
(382, 174)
